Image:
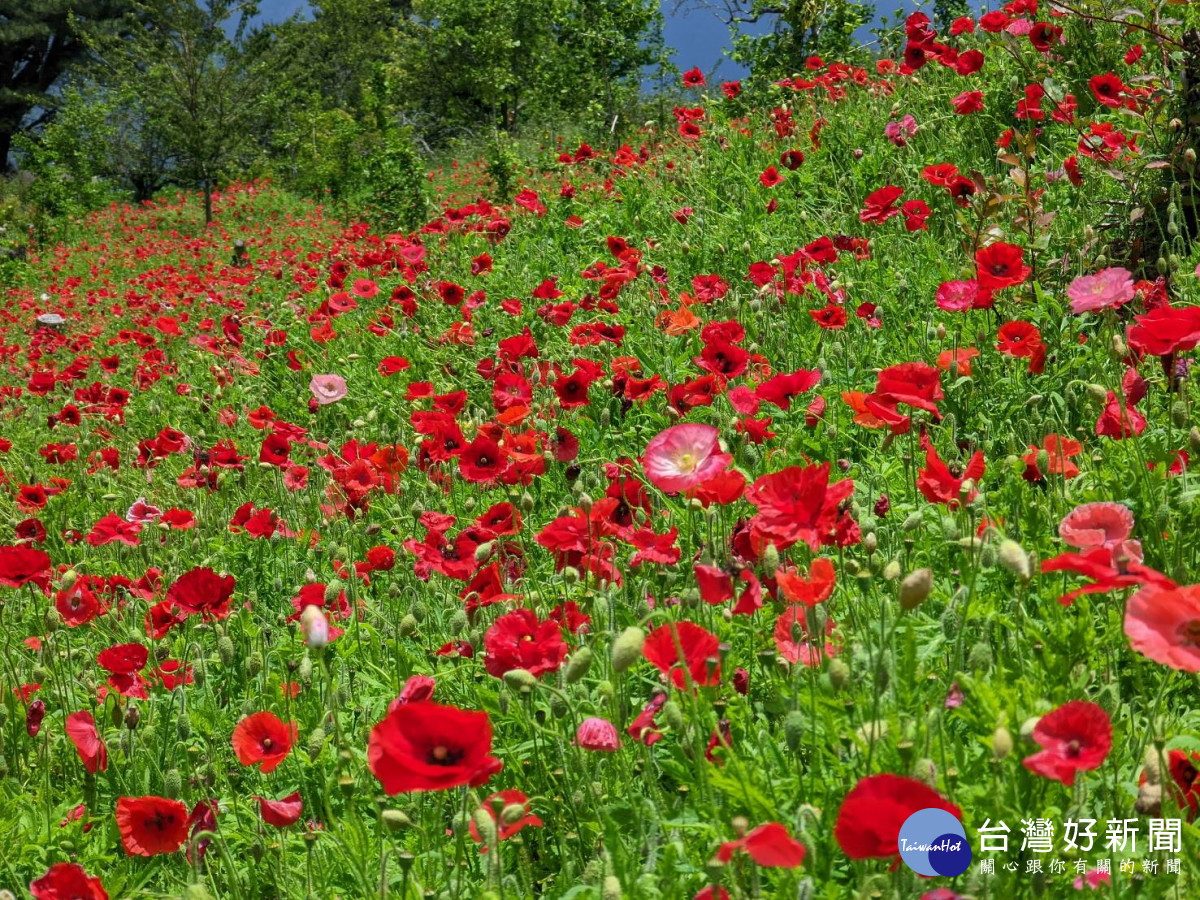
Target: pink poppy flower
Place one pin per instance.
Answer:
(142, 512)
(598, 734)
(1102, 524)
(1107, 289)
(327, 389)
(684, 456)
(1163, 624)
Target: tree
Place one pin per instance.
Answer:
(39, 41)
(474, 66)
(189, 85)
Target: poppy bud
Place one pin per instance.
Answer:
(316, 743)
(116, 715)
(950, 524)
(34, 716)
(980, 656)
(225, 649)
(570, 575)
(627, 648)
(408, 625)
(1194, 439)
(1189, 159)
(913, 522)
(793, 730)
(577, 668)
(1002, 742)
(458, 622)
(133, 717)
(1119, 349)
(673, 715)
(254, 665)
(892, 570)
(1014, 558)
(172, 784)
(925, 770)
(870, 543)
(611, 889)
(395, 820)
(770, 559)
(839, 674)
(520, 679)
(1178, 413)
(915, 588)
(741, 681)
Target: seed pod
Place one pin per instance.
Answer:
(627, 648)
(915, 588)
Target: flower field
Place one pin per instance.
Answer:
(675, 530)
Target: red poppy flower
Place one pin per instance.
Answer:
(151, 825)
(263, 738)
(1000, 266)
(769, 845)
(816, 588)
(67, 881)
(879, 205)
(202, 591)
(517, 640)
(425, 746)
(81, 729)
(1076, 737)
(667, 646)
(1108, 89)
(968, 102)
(939, 484)
(281, 813)
(799, 504)
(21, 565)
(869, 820)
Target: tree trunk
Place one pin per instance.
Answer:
(208, 192)
(5, 145)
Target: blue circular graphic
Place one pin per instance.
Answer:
(933, 842)
(950, 855)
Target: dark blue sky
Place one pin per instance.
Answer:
(698, 36)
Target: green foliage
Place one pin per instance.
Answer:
(393, 183)
(503, 165)
(67, 159)
(467, 66)
(188, 85)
